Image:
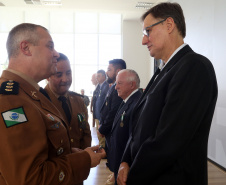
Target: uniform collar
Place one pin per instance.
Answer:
(26, 78)
(57, 95)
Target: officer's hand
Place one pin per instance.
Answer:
(74, 150)
(95, 155)
(99, 134)
(123, 173)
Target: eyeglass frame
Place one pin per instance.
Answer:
(146, 32)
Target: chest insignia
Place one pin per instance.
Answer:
(60, 151)
(57, 125)
(33, 94)
(61, 176)
(50, 117)
(82, 121)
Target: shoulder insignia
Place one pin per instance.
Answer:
(74, 93)
(9, 87)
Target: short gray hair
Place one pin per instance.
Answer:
(22, 32)
(132, 76)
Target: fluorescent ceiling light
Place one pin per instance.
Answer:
(144, 5)
(44, 2)
(52, 2)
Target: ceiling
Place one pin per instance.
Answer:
(126, 7)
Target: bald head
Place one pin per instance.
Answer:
(93, 79)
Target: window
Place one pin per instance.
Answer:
(89, 40)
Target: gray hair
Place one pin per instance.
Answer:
(132, 76)
(101, 71)
(22, 32)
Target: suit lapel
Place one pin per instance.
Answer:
(179, 55)
(102, 87)
(119, 114)
(124, 108)
(153, 82)
(108, 95)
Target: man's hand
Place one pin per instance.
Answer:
(99, 134)
(96, 155)
(123, 173)
(74, 150)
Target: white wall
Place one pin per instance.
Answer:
(135, 54)
(205, 21)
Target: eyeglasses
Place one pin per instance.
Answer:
(146, 30)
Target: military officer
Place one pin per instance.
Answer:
(75, 114)
(58, 86)
(35, 146)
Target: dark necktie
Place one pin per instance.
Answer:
(44, 93)
(120, 106)
(65, 107)
(151, 82)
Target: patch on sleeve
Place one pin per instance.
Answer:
(14, 117)
(9, 87)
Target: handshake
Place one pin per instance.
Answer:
(96, 153)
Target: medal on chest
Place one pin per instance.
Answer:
(82, 121)
(122, 118)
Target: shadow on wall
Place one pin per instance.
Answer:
(217, 138)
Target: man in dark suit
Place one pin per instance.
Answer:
(100, 97)
(171, 121)
(127, 84)
(112, 100)
(93, 99)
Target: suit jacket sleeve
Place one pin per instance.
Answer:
(86, 139)
(184, 108)
(106, 125)
(127, 153)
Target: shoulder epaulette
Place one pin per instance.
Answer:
(9, 87)
(74, 93)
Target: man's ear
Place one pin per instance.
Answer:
(170, 24)
(133, 84)
(25, 48)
